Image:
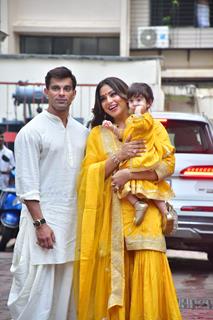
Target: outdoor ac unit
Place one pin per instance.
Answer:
(153, 37)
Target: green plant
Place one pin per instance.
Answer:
(169, 20)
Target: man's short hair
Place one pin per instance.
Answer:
(60, 73)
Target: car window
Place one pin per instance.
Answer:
(188, 136)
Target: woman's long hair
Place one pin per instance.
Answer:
(119, 86)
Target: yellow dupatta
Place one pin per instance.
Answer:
(98, 259)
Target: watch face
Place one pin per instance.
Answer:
(38, 223)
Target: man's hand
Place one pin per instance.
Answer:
(45, 236)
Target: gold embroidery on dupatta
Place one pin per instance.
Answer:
(117, 236)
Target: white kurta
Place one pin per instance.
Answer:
(48, 158)
(6, 166)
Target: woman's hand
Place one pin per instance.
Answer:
(128, 150)
(120, 178)
(131, 149)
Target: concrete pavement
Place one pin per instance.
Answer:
(5, 283)
(193, 277)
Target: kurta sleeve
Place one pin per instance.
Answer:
(166, 167)
(143, 122)
(27, 153)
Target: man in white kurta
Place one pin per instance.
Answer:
(48, 154)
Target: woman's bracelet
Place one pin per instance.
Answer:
(115, 159)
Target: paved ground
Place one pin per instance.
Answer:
(193, 277)
(5, 282)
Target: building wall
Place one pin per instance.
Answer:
(139, 17)
(112, 17)
(181, 58)
(98, 18)
(4, 24)
(65, 18)
(188, 47)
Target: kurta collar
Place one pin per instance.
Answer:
(54, 117)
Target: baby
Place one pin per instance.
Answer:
(139, 125)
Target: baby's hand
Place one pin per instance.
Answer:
(139, 110)
(107, 124)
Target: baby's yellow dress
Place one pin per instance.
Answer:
(142, 127)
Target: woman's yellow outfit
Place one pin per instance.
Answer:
(142, 127)
(121, 270)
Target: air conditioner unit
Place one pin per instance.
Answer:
(153, 37)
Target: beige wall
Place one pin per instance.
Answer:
(69, 13)
(176, 59)
(139, 18)
(62, 17)
(4, 24)
(69, 17)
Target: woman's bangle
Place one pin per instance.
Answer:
(115, 159)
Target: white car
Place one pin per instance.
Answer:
(192, 181)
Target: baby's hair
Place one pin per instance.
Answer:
(138, 89)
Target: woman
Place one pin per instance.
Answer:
(122, 271)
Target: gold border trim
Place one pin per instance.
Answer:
(141, 242)
(117, 236)
(162, 170)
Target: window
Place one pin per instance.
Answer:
(36, 45)
(70, 45)
(188, 136)
(181, 13)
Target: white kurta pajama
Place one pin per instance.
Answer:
(48, 158)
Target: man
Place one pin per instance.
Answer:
(48, 150)
(7, 162)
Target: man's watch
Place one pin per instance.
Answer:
(37, 223)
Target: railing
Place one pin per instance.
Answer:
(20, 101)
(191, 38)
